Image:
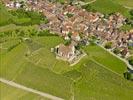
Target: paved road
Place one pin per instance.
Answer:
(11, 83)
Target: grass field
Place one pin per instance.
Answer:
(128, 3)
(10, 93)
(5, 17)
(98, 83)
(106, 59)
(19, 17)
(98, 76)
(58, 78)
(109, 6)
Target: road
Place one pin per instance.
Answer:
(11, 83)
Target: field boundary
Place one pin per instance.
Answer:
(123, 60)
(11, 83)
(105, 67)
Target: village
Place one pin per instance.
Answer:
(78, 26)
(66, 49)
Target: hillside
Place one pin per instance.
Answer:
(28, 54)
(5, 16)
(127, 3)
(56, 77)
(109, 6)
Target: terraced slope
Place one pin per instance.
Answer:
(11, 93)
(127, 3)
(35, 66)
(109, 6)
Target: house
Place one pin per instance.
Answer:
(75, 36)
(66, 52)
(124, 52)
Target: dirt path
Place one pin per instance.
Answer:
(91, 1)
(128, 7)
(85, 3)
(11, 83)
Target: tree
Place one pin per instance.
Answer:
(70, 2)
(67, 42)
(116, 51)
(131, 12)
(69, 15)
(128, 76)
(130, 60)
(77, 47)
(87, 7)
(69, 34)
(108, 45)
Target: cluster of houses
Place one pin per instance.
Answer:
(12, 4)
(66, 19)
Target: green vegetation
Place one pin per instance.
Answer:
(116, 51)
(100, 83)
(128, 3)
(108, 7)
(128, 75)
(130, 60)
(86, 0)
(26, 72)
(106, 59)
(67, 42)
(108, 45)
(10, 93)
(5, 16)
(21, 31)
(42, 71)
(27, 59)
(60, 1)
(20, 17)
(44, 80)
(69, 15)
(126, 27)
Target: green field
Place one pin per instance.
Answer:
(109, 6)
(20, 17)
(106, 59)
(10, 93)
(98, 83)
(98, 76)
(85, 80)
(5, 17)
(16, 67)
(128, 3)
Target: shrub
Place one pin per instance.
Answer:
(131, 12)
(128, 76)
(12, 47)
(130, 60)
(46, 33)
(69, 15)
(116, 51)
(108, 45)
(87, 7)
(67, 42)
(77, 47)
(22, 17)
